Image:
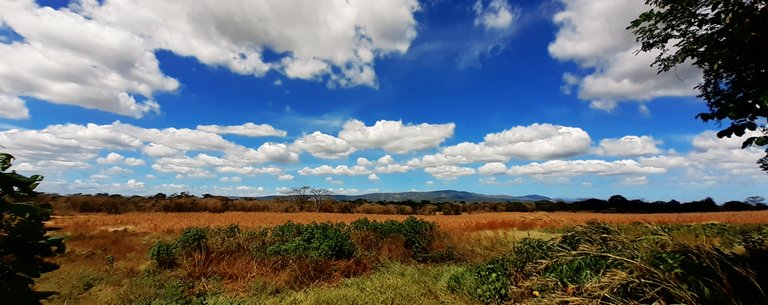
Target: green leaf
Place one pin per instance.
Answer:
(5, 161)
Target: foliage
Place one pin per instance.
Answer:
(23, 240)
(728, 41)
(417, 234)
(316, 240)
(162, 254)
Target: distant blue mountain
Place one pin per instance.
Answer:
(441, 196)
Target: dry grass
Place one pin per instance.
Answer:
(174, 222)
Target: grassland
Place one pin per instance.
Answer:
(488, 258)
(175, 222)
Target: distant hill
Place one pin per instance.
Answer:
(441, 196)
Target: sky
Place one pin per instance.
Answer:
(249, 98)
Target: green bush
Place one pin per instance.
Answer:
(24, 243)
(192, 240)
(315, 240)
(163, 254)
(418, 234)
(489, 283)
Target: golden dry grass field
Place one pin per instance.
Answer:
(160, 222)
(108, 258)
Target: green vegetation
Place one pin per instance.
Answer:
(24, 243)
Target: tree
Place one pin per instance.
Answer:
(303, 194)
(754, 200)
(23, 238)
(318, 195)
(728, 41)
(299, 195)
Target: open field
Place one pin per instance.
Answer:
(485, 258)
(175, 222)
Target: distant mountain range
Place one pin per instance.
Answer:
(441, 196)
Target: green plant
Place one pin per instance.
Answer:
(24, 243)
(192, 240)
(315, 240)
(488, 283)
(163, 254)
(418, 234)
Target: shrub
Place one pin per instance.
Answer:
(489, 283)
(163, 254)
(315, 240)
(192, 240)
(417, 234)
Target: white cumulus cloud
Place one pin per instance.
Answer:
(248, 129)
(593, 34)
(394, 136)
(628, 146)
(497, 15)
(321, 145)
(449, 172)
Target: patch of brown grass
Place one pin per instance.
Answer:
(158, 222)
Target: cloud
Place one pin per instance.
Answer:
(231, 179)
(235, 34)
(639, 180)
(248, 129)
(324, 146)
(249, 170)
(112, 158)
(492, 168)
(386, 160)
(101, 54)
(392, 168)
(66, 58)
(533, 142)
(338, 170)
(582, 167)
(394, 136)
(134, 162)
(116, 170)
(373, 177)
(668, 161)
(364, 162)
(159, 150)
(593, 34)
(285, 177)
(628, 146)
(12, 107)
(497, 15)
(540, 141)
(449, 172)
(711, 153)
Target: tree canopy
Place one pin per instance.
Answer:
(728, 41)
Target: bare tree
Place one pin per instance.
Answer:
(298, 195)
(318, 195)
(304, 194)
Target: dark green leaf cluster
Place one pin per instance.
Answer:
(24, 243)
(316, 240)
(728, 41)
(417, 234)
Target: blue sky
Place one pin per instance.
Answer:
(248, 98)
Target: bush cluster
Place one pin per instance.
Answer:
(315, 241)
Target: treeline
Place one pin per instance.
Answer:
(117, 204)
